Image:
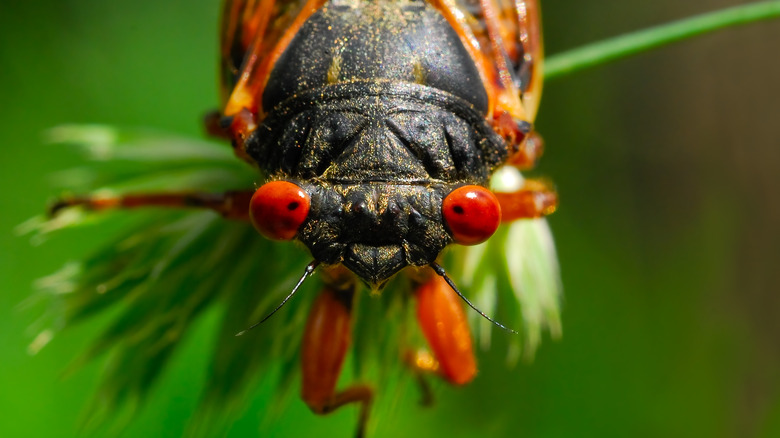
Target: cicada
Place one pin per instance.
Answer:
(375, 127)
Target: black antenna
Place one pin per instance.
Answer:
(440, 271)
(309, 270)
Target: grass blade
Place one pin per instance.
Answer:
(625, 45)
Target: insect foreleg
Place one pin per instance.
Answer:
(232, 205)
(444, 325)
(326, 339)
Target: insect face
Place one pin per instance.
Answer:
(375, 229)
(377, 160)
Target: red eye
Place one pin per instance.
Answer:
(472, 214)
(278, 209)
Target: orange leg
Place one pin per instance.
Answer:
(236, 128)
(443, 323)
(232, 205)
(325, 343)
(216, 125)
(525, 154)
(524, 145)
(535, 199)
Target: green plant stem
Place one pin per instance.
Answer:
(636, 42)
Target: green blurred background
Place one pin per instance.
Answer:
(667, 165)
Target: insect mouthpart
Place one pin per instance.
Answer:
(375, 264)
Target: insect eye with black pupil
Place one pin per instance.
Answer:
(472, 214)
(278, 209)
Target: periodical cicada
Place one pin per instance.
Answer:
(375, 127)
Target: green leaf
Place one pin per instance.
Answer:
(622, 46)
